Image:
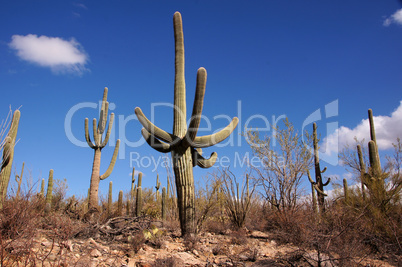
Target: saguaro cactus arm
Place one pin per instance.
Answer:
(155, 143)
(112, 162)
(314, 184)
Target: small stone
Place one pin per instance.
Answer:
(95, 253)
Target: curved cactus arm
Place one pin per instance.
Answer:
(329, 180)
(112, 162)
(309, 178)
(96, 134)
(109, 128)
(197, 107)
(319, 190)
(155, 143)
(87, 137)
(324, 170)
(154, 130)
(8, 145)
(206, 163)
(213, 139)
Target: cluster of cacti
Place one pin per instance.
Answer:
(18, 179)
(318, 184)
(373, 179)
(8, 155)
(184, 144)
(97, 146)
(138, 203)
(49, 193)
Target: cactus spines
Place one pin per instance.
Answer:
(318, 184)
(345, 190)
(183, 143)
(49, 193)
(97, 146)
(120, 204)
(163, 204)
(8, 155)
(110, 199)
(138, 206)
(18, 179)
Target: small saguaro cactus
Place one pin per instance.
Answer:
(362, 170)
(183, 143)
(345, 190)
(8, 155)
(163, 204)
(97, 146)
(120, 204)
(49, 193)
(318, 184)
(42, 188)
(138, 206)
(158, 185)
(128, 203)
(132, 192)
(18, 179)
(110, 199)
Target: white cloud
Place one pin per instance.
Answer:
(53, 52)
(394, 18)
(387, 128)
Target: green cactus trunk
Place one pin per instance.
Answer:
(110, 199)
(128, 207)
(120, 204)
(345, 191)
(163, 204)
(49, 194)
(138, 200)
(97, 146)
(184, 145)
(8, 156)
(362, 170)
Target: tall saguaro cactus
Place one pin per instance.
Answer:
(157, 186)
(49, 193)
(8, 155)
(318, 184)
(183, 143)
(97, 146)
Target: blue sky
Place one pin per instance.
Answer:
(264, 59)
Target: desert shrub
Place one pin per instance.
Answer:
(137, 241)
(191, 242)
(168, 262)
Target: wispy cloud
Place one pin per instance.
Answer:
(394, 18)
(56, 53)
(388, 129)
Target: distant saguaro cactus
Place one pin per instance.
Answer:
(158, 185)
(163, 204)
(318, 184)
(120, 204)
(42, 188)
(138, 206)
(345, 190)
(97, 146)
(49, 194)
(8, 155)
(110, 199)
(132, 192)
(18, 179)
(184, 144)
